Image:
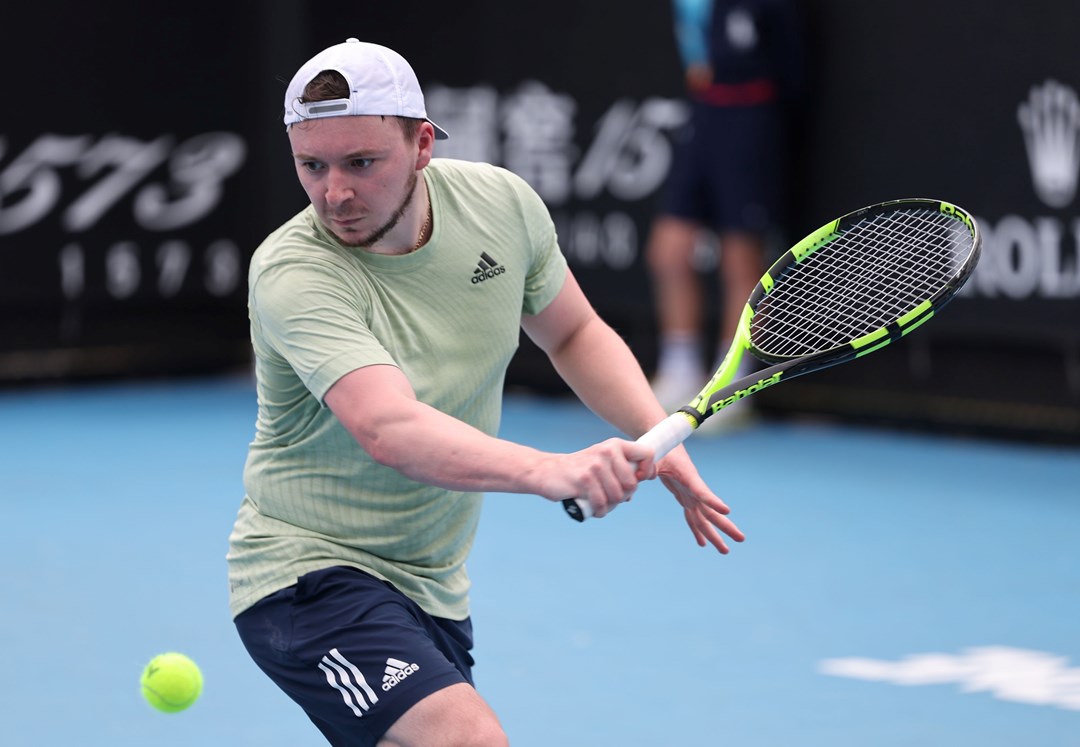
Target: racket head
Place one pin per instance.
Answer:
(860, 282)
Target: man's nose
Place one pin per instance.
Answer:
(338, 190)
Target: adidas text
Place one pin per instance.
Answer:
(487, 268)
(479, 277)
(397, 674)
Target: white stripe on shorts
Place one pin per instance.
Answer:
(339, 679)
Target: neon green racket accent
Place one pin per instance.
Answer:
(908, 322)
(917, 324)
(907, 318)
(745, 319)
(961, 215)
(861, 353)
(767, 282)
(815, 241)
(870, 339)
(730, 365)
(874, 337)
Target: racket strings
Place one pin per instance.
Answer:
(869, 276)
(865, 279)
(858, 292)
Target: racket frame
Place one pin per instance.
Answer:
(720, 392)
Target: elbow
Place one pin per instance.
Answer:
(380, 448)
(386, 444)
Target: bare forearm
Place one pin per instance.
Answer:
(430, 447)
(377, 406)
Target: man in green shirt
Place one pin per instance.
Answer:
(383, 318)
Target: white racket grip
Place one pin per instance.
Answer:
(667, 434)
(662, 437)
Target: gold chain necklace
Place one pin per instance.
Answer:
(424, 228)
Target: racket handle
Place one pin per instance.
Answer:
(662, 437)
(667, 434)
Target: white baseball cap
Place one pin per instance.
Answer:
(380, 80)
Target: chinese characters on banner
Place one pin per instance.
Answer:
(593, 176)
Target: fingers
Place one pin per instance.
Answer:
(725, 525)
(612, 472)
(707, 525)
(609, 473)
(634, 451)
(705, 513)
(695, 489)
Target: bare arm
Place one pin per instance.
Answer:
(597, 364)
(594, 361)
(379, 408)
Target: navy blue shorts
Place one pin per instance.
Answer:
(353, 651)
(729, 168)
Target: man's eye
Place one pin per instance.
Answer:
(362, 163)
(312, 166)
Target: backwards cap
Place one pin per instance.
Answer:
(380, 80)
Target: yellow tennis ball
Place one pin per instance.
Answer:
(171, 682)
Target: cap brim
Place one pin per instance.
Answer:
(440, 133)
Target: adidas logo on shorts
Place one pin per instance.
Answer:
(346, 678)
(396, 671)
(486, 268)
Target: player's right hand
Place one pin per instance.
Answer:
(604, 474)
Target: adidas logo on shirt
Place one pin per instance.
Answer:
(486, 268)
(396, 671)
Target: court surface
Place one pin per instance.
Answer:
(894, 589)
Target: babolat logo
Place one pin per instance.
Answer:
(761, 384)
(958, 214)
(486, 269)
(396, 671)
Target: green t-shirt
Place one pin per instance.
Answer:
(448, 315)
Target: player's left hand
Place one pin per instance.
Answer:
(703, 510)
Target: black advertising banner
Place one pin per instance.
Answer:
(143, 159)
(124, 186)
(978, 104)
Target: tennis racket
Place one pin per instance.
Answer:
(850, 288)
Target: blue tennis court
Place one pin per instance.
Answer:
(894, 589)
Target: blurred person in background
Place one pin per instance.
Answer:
(743, 69)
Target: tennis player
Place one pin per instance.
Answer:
(383, 317)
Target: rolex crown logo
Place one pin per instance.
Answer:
(1050, 120)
